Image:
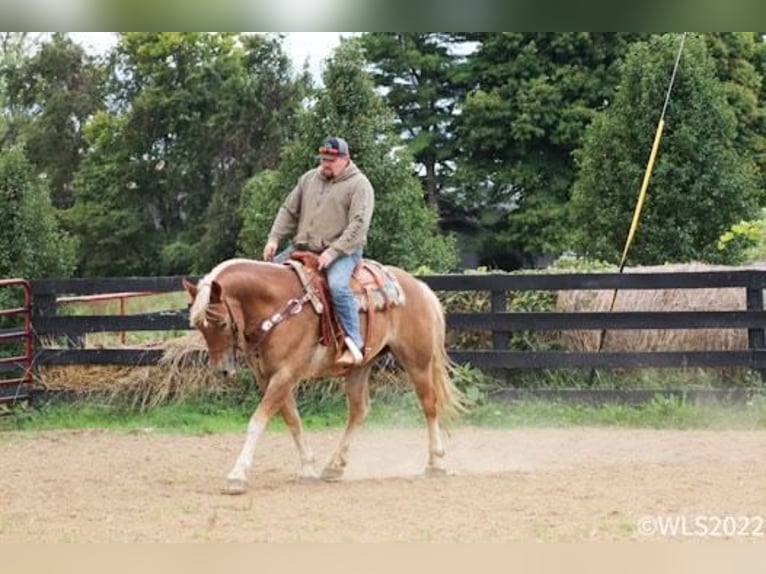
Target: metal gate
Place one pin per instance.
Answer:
(16, 346)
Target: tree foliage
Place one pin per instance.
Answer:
(532, 96)
(701, 183)
(737, 57)
(57, 88)
(31, 243)
(196, 115)
(15, 49)
(173, 151)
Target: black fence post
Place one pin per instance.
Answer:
(45, 305)
(42, 306)
(756, 339)
(497, 305)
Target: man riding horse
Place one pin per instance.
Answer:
(329, 211)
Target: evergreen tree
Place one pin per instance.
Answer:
(415, 72)
(701, 183)
(532, 95)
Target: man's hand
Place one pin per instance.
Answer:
(269, 251)
(327, 257)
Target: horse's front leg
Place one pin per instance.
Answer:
(289, 412)
(358, 400)
(277, 390)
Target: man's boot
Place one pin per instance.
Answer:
(352, 356)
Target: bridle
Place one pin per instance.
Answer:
(292, 307)
(234, 328)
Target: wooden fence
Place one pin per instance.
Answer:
(501, 322)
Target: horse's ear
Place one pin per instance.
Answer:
(191, 288)
(215, 292)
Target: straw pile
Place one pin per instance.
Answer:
(181, 372)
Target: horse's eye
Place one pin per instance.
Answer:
(222, 326)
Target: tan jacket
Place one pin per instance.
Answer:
(324, 213)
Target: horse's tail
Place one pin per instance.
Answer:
(450, 401)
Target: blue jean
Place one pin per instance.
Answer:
(338, 278)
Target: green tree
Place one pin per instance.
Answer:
(738, 57)
(31, 243)
(531, 98)
(194, 116)
(116, 230)
(58, 89)
(701, 183)
(15, 49)
(403, 230)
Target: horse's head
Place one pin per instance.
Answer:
(218, 322)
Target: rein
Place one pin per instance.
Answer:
(234, 329)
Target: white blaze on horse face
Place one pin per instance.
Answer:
(220, 349)
(226, 365)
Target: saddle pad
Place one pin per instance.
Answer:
(385, 291)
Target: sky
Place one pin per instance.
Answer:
(314, 46)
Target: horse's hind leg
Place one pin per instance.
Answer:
(358, 400)
(292, 418)
(422, 380)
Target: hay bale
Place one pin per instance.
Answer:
(729, 299)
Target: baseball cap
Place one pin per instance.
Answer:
(333, 147)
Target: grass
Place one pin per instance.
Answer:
(222, 414)
(660, 413)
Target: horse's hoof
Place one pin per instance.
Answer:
(332, 474)
(434, 471)
(234, 487)
(310, 476)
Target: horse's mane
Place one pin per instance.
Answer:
(198, 311)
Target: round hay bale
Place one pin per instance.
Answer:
(725, 299)
(729, 299)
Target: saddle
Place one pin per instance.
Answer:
(374, 287)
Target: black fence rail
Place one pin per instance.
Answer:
(499, 321)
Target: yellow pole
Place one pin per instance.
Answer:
(636, 214)
(642, 193)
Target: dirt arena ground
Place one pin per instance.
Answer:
(573, 484)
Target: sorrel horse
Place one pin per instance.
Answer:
(260, 310)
